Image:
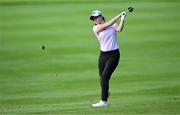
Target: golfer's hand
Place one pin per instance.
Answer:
(123, 15)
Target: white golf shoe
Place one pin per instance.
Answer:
(101, 104)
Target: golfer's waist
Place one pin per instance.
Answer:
(110, 52)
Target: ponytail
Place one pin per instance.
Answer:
(103, 19)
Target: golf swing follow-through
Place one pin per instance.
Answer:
(105, 31)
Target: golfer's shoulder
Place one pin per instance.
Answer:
(115, 25)
(95, 28)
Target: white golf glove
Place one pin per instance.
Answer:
(123, 15)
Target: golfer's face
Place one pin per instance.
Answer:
(98, 20)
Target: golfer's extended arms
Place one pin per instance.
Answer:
(107, 24)
(119, 27)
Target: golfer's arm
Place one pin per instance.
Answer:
(107, 24)
(120, 27)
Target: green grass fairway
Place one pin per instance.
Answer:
(63, 78)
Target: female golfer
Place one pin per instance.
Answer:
(105, 32)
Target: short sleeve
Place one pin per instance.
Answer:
(95, 29)
(114, 25)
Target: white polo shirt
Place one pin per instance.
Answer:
(107, 38)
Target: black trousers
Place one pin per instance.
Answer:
(108, 62)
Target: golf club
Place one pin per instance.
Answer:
(130, 9)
